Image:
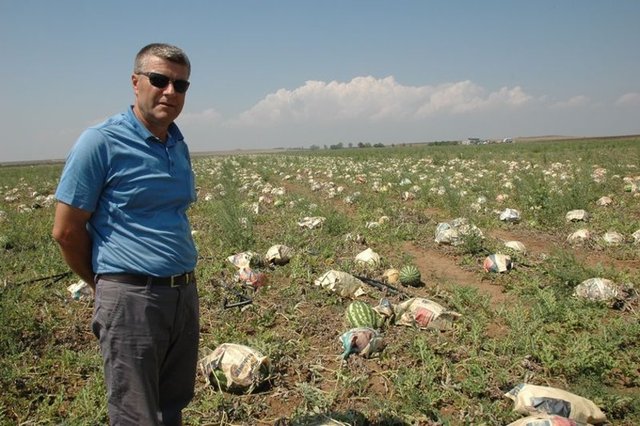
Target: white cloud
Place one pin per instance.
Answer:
(383, 110)
(514, 97)
(629, 99)
(207, 116)
(573, 102)
(374, 100)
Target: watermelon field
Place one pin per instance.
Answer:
(500, 238)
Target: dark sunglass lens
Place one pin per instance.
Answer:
(161, 81)
(158, 80)
(181, 86)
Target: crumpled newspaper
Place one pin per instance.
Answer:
(245, 259)
(597, 289)
(235, 368)
(346, 285)
(424, 314)
(311, 222)
(497, 262)
(516, 246)
(532, 399)
(604, 201)
(279, 254)
(364, 341)
(248, 263)
(252, 277)
(579, 236)
(368, 257)
(455, 231)
(613, 238)
(80, 290)
(510, 215)
(577, 216)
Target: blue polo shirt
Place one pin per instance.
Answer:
(138, 190)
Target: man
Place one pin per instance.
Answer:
(122, 226)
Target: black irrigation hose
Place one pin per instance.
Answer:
(384, 287)
(241, 298)
(54, 278)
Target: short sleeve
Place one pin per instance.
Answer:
(85, 171)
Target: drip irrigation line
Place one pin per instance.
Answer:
(384, 287)
(240, 297)
(54, 278)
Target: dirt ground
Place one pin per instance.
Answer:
(441, 269)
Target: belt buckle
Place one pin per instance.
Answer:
(173, 280)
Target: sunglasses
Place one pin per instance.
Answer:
(161, 81)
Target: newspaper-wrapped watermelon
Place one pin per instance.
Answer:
(343, 283)
(597, 289)
(279, 254)
(364, 341)
(497, 263)
(510, 215)
(578, 215)
(424, 314)
(579, 236)
(516, 246)
(456, 231)
(235, 368)
(532, 399)
(251, 277)
(247, 259)
(368, 257)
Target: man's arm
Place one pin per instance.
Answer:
(70, 231)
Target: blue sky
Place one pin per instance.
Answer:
(286, 73)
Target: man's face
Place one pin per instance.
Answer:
(158, 107)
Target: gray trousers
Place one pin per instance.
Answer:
(149, 343)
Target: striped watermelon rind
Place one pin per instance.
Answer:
(218, 379)
(361, 314)
(410, 275)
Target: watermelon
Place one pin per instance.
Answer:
(361, 314)
(410, 275)
(218, 379)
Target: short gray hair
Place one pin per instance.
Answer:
(161, 50)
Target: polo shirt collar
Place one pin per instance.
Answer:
(174, 132)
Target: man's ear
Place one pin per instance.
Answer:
(135, 79)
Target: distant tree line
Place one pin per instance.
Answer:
(350, 145)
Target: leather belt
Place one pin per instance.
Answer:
(171, 281)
